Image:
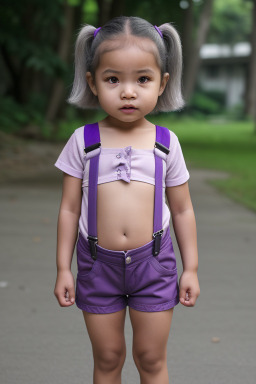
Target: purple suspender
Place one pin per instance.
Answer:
(161, 146)
(92, 150)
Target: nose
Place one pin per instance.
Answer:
(128, 92)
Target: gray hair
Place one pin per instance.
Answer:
(169, 60)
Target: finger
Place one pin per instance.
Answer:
(63, 298)
(186, 302)
(71, 294)
(190, 300)
(63, 302)
(182, 295)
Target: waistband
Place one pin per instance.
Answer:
(119, 257)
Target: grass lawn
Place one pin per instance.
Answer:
(225, 146)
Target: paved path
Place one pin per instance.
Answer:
(42, 343)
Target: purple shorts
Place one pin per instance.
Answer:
(135, 278)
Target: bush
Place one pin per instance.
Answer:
(14, 116)
(204, 103)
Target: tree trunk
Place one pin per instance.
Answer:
(117, 8)
(250, 107)
(16, 72)
(109, 9)
(187, 35)
(58, 90)
(192, 53)
(104, 10)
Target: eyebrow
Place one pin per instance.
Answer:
(148, 70)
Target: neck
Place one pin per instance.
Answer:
(110, 122)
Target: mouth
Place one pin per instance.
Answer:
(128, 108)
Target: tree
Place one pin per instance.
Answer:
(192, 46)
(63, 52)
(251, 84)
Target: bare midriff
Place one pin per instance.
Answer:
(125, 213)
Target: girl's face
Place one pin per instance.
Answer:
(128, 80)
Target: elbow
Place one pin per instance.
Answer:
(188, 211)
(71, 209)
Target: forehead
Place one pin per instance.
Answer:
(126, 51)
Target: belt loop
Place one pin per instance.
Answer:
(92, 243)
(157, 243)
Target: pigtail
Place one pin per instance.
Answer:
(171, 99)
(81, 94)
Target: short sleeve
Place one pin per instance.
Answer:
(176, 170)
(70, 159)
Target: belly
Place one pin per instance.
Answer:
(125, 213)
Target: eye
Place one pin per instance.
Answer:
(144, 79)
(112, 80)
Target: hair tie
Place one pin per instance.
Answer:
(158, 30)
(96, 31)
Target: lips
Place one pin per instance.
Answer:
(128, 106)
(128, 109)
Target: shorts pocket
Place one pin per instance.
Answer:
(160, 268)
(88, 274)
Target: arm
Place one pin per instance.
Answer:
(67, 231)
(184, 224)
(69, 214)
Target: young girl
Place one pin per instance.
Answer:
(116, 175)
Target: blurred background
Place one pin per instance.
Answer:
(217, 127)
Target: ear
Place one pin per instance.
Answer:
(163, 83)
(91, 83)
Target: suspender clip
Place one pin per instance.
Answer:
(157, 243)
(162, 147)
(92, 243)
(92, 147)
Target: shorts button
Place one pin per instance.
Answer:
(128, 260)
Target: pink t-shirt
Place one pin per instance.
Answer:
(126, 164)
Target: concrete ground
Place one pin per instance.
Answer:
(42, 343)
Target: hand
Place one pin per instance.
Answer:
(189, 288)
(65, 288)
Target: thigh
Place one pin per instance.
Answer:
(150, 331)
(106, 331)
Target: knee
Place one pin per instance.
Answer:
(109, 360)
(149, 361)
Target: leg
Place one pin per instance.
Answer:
(106, 332)
(150, 335)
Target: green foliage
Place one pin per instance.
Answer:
(29, 32)
(13, 115)
(91, 9)
(156, 11)
(29, 39)
(204, 103)
(43, 59)
(231, 21)
(212, 103)
(237, 112)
